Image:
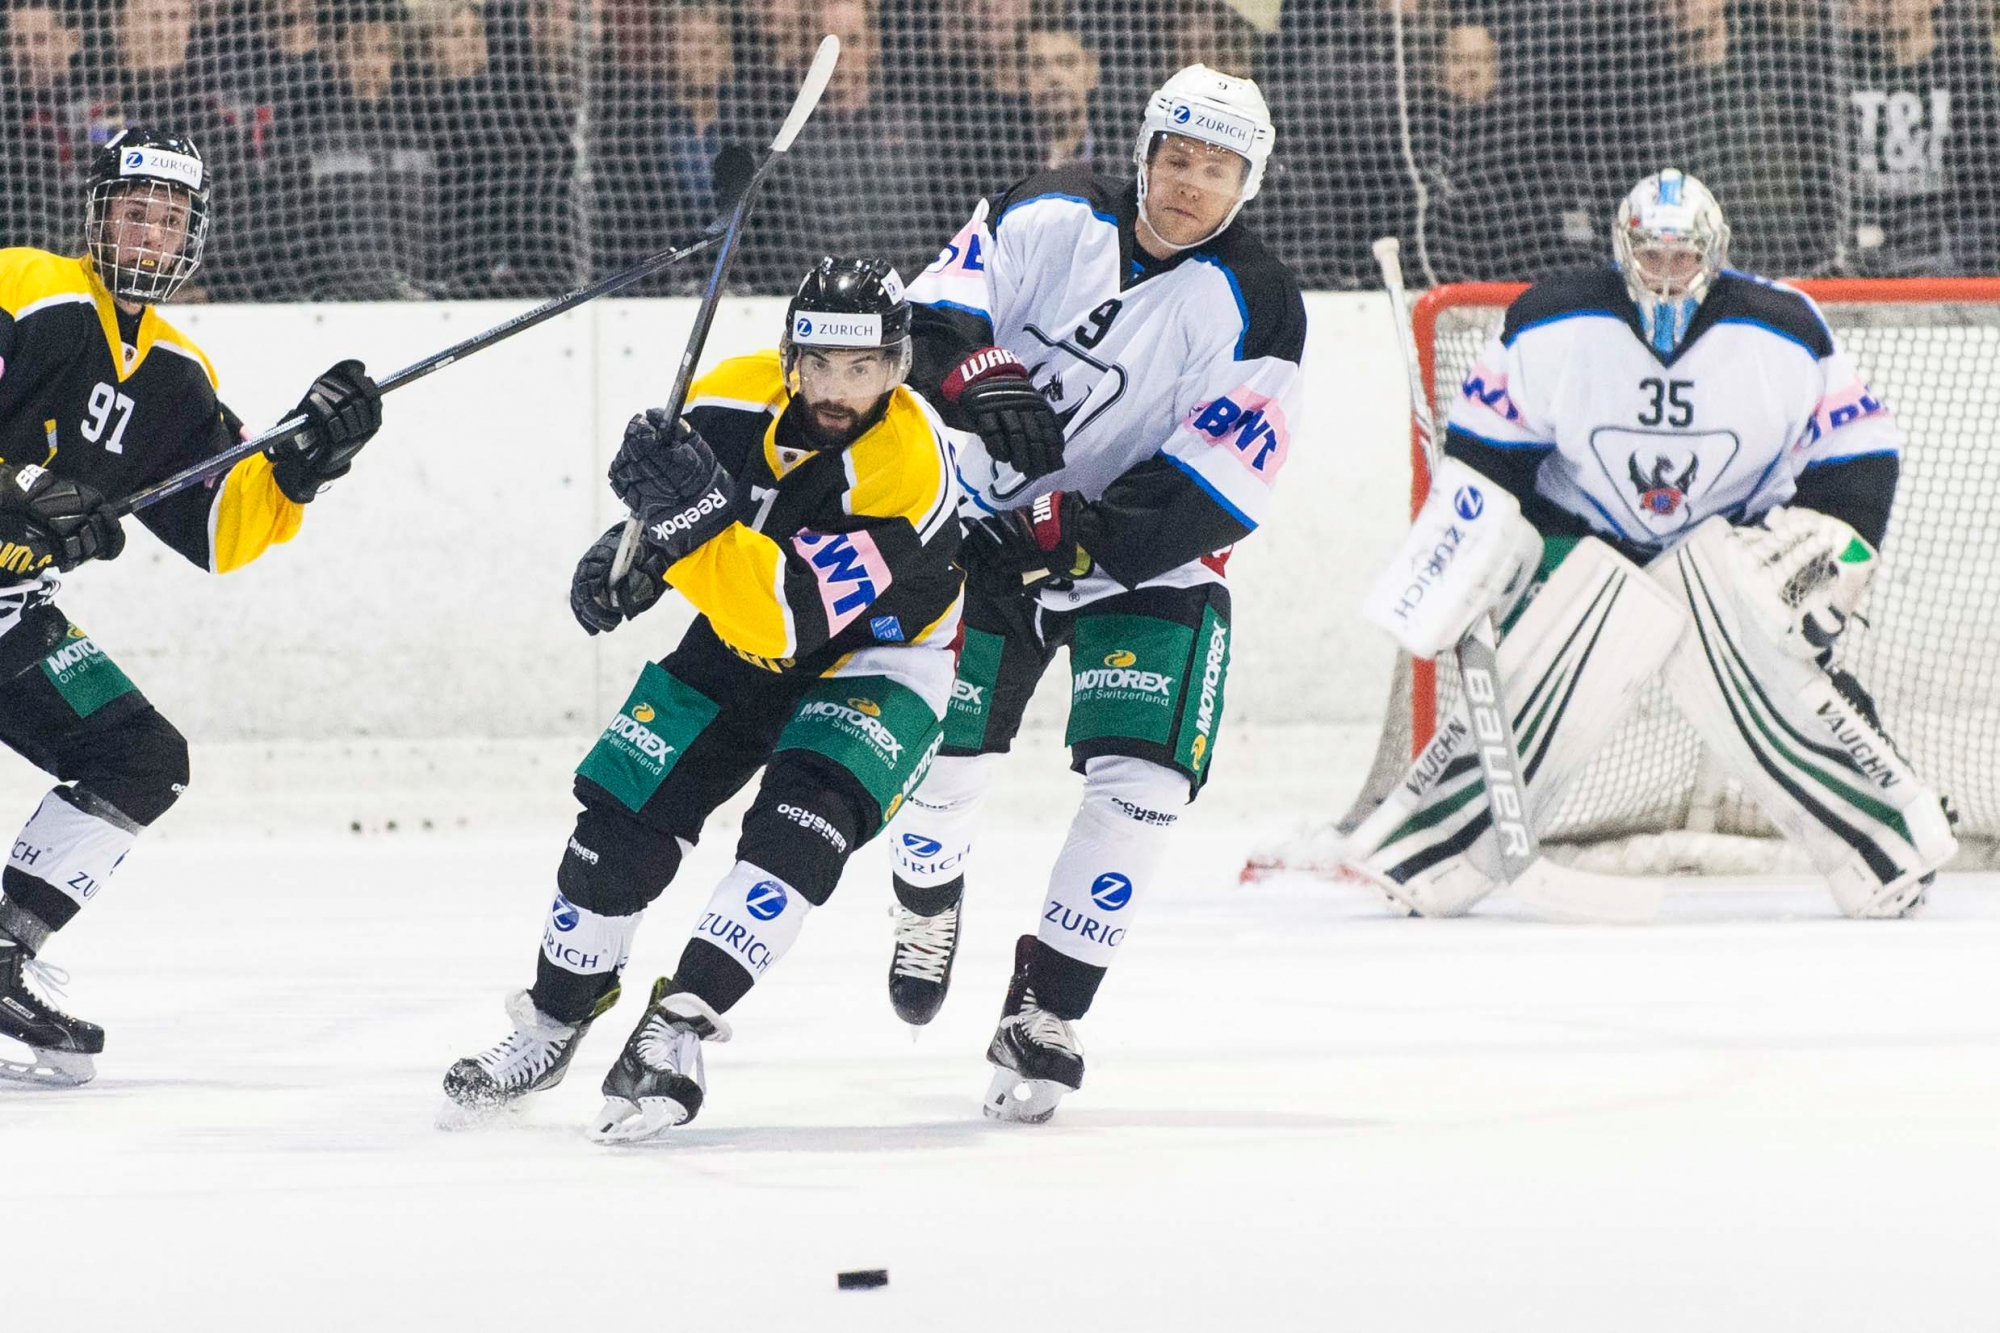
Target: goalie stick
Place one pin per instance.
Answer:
(802, 108)
(728, 172)
(1534, 878)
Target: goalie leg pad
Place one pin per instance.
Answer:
(1573, 663)
(1813, 758)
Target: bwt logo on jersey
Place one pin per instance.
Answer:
(1658, 494)
(834, 557)
(564, 914)
(1257, 436)
(766, 900)
(1111, 891)
(1474, 389)
(687, 518)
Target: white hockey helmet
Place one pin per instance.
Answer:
(1670, 243)
(1210, 107)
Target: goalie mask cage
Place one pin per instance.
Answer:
(1652, 802)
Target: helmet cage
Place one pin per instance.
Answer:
(1670, 243)
(156, 273)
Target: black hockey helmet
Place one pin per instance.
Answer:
(849, 310)
(165, 171)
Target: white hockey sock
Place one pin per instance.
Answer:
(587, 943)
(1115, 847)
(930, 839)
(73, 842)
(753, 917)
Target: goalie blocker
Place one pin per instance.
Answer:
(1736, 618)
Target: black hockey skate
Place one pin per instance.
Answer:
(926, 946)
(659, 1081)
(60, 1048)
(1035, 1054)
(531, 1058)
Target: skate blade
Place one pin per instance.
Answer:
(1021, 1101)
(49, 1069)
(620, 1121)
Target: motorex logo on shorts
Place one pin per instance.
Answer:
(766, 900)
(564, 914)
(922, 846)
(1111, 891)
(1469, 503)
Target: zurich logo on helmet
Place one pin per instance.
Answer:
(135, 159)
(766, 899)
(805, 327)
(563, 914)
(1111, 891)
(1469, 503)
(921, 845)
(1181, 113)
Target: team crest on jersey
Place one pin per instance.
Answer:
(1660, 493)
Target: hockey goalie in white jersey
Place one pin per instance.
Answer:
(1693, 480)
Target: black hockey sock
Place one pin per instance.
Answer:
(717, 978)
(51, 908)
(1062, 985)
(569, 997)
(930, 900)
(26, 928)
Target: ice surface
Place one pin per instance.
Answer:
(1299, 1112)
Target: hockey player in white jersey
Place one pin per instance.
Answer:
(1127, 355)
(1696, 482)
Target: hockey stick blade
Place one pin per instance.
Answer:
(802, 108)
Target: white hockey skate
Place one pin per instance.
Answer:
(1035, 1054)
(531, 1058)
(60, 1048)
(659, 1080)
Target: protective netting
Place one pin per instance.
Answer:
(1932, 635)
(440, 148)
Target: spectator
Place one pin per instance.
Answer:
(774, 44)
(1762, 146)
(1914, 90)
(1061, 81)
(542, 65)
(373, 185)
(1210, 32)
(633, 113)
(38, 132)
(704, 69)
(975, 100)
(860, 182)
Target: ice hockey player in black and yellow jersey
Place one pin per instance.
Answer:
(806, 505)
(99, 397)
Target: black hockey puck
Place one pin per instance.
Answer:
(860, 1279)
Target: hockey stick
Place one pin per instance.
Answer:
(1533, 877)
(802, 108)
(726, 174)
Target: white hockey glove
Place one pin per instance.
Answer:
(1469, 553)
(1809, 571)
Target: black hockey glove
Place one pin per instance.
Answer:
(599, 607)
(343, 410)
(998, 403)
(667, 475)
(50, 520)
(1027, 548)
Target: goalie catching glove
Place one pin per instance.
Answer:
(1028, 547)
(343, 410)
(1468, 554)
(996, 401)
(51, 520)
(1811, 570)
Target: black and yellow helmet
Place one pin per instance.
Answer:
(164, 171)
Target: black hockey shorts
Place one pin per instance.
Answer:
(1147, 669)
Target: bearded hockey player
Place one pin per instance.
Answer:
(1699, 480)
(101, 397)
(805, 505)
(1128, 356)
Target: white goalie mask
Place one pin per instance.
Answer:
(1670, 242)
(1214, 108)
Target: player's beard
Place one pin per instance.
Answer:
(845, 426)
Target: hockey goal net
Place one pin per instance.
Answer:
(1652, 802)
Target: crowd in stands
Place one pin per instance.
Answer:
(393, 149)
